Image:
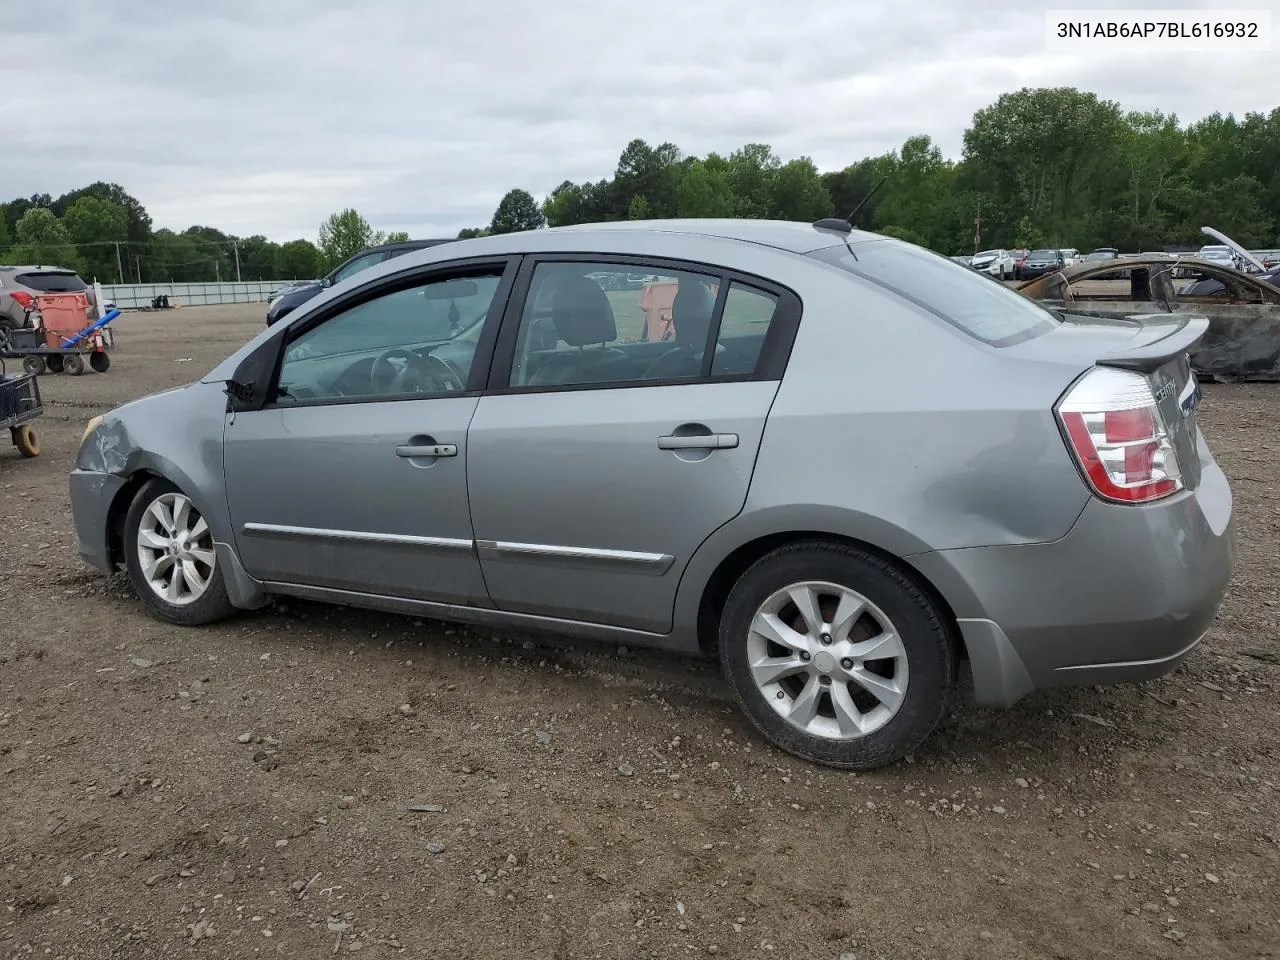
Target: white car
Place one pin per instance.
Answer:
(1070, 256)
(998, 263)
(1219, 254)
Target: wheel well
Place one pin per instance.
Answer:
(736, 563)
(117, 512)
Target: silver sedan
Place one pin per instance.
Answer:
(843, 465)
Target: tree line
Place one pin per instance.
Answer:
(1047, 167)
(105, 234)
(1056, 167)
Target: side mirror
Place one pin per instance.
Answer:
(248, 386)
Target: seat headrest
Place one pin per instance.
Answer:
(691, 313)
(582, 314)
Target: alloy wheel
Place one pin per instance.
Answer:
(828, 660)
(175, 549)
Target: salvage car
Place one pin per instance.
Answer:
(1242, 342)
(998, 263)
(854, 467)
(1040, 262)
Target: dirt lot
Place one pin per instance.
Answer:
(242, 790)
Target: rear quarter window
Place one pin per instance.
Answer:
(981, 306)
(51, 281)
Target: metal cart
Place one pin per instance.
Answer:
(60, 341)
(19, 405)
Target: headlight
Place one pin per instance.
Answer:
(93, 425)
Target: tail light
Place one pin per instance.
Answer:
(24, 299)
(1119, 437)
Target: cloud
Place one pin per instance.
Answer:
(264, 117)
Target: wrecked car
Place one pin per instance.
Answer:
(1243, 340)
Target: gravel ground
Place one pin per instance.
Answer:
(244, 790)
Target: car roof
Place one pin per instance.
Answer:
(405, 245)
(791, 235)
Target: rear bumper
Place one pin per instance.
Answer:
(92, 494)
(1125, 596)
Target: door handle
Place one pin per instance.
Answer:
(704, 441)
(412, 450)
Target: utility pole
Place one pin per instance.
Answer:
(235, 245)
(119, 264)
(137, 265)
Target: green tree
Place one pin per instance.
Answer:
(516, 211)
(750, 171)
(796, 192)
(5, 239)
(345, 234)
(652, 173)
(397, 236)
(139, 229)
(93, 224)
(43, 240)
(1054, 153)
(638, 209)
(705, 191)
(579, 203)
(258, 258)
(297, 260)
(15, 209)
(470, 233)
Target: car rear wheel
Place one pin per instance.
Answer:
(836, 655)
(171, 558)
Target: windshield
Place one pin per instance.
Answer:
(1044, 254)
(977, 304)
(986, 253)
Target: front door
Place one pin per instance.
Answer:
(607, 460)
(353, 476)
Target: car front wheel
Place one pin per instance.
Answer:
(836, 655)
(171, 558)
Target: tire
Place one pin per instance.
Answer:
(99, 361)
(26, 440)
(73, 364)
(33, 365)
(925, 660)
(54, 364)
(210, 605)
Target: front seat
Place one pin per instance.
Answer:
(583, 318)
(691, 312)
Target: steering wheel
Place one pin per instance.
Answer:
(419, 374)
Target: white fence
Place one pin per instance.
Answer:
(128, 296)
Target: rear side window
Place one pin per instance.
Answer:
(978, 304)
(51, 281)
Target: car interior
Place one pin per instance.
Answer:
(570, 336)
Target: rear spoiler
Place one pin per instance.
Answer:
(1164, 338)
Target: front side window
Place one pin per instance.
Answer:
(413, 342)
(981, 307)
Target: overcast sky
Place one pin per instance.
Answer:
(263, 116)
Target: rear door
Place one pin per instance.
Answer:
(600, 460)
